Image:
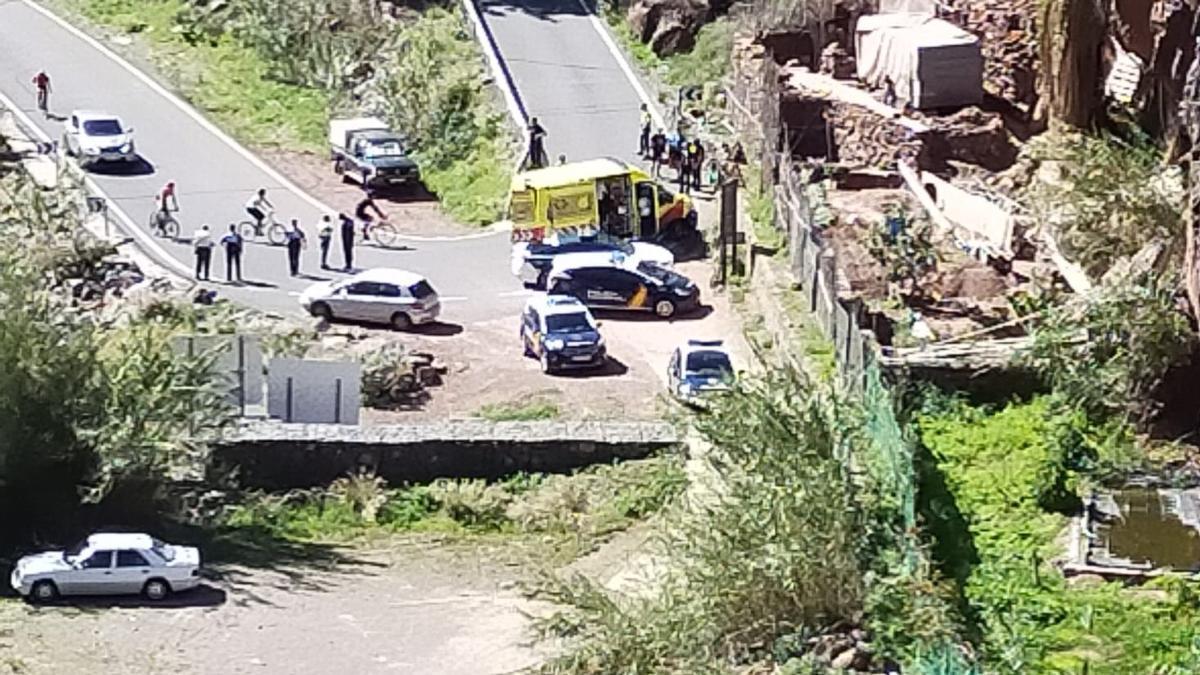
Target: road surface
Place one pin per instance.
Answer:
(215, 178)
(567, 76)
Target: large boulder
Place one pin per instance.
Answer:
(670, 26)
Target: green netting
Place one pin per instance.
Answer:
(891, 463)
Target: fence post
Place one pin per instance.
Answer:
(337, 401)
(288, 406)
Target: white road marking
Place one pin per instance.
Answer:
(144, 239)
(514, 294)
(617, 54)
(210, 127)
(453, 298)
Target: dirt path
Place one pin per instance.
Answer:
(410, 608)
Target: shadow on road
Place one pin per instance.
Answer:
(437, 329)
(697, 314)
(203, 595)
(139, 167)
(612, 367)
(543, 10)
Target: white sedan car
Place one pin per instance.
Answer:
(96, 137)
(531, 263)
(394, 297)
(108, 564)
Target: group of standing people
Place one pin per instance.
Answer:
(295, 240)
(687, 154)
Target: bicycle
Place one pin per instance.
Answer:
(163, 224)
(270, 229)
(382, 233)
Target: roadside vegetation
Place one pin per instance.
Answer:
(273, 73)
(999, 484)
(560, 516)
(708, 61)
(787, 545)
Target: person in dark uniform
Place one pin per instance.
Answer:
(695, 152)
(658, 151)
(347, 240)
(537, 145)
(296, 242)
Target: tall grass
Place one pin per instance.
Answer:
(776, 550)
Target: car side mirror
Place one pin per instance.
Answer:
(599, 324)
(129, 130)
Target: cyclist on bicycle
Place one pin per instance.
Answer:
(41, 81)
(165, 202)
(363, 213)
(258, 207)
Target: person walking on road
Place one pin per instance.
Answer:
(537, 158)
(202, 244)
(233, 253)
(295, 243)
(658, 150)
(41, 82)
(644, 131)
(325, 237)
(347, 241)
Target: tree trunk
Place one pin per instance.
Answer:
(1071, 36)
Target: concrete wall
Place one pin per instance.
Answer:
(314, 392)
(279, 456)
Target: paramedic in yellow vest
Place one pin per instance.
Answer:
(644, 132)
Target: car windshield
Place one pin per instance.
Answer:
(575, 322)
(661, 274)
(421, 290)
(102, 128)
(162, 550)
(383, 149)
(709, 364)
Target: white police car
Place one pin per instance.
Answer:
(559, 332)
(698, 368)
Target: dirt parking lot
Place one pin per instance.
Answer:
(486, 366)
(410, 608)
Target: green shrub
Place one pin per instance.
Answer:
(774, 549)
(474, 503)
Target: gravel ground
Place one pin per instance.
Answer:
(412, 608)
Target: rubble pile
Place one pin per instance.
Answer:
(863, 139)
(972, 136)
(1009, 42)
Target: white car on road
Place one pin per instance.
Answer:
(96, 137)
(108, 564)
(531, 262)
(394, 297)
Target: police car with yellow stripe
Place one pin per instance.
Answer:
(604, 282)
(561, 334)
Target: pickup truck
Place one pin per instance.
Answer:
(367, 151)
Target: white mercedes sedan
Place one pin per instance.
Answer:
(108, 564)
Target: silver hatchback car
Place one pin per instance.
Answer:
(387, 296)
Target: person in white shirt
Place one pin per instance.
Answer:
(202, 243)
(257, 207)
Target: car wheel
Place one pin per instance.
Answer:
(400, 321)
(321, 311)
(156, 589)
(546, 367)
(44, 591)
(664, 309)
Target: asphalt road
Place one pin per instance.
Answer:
(214, 179)
(567, 77)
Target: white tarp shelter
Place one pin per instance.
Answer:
(932, 62)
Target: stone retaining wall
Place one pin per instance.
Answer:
(275, 456)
